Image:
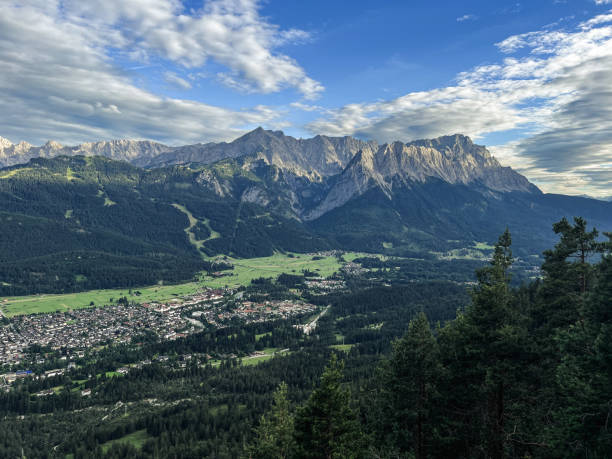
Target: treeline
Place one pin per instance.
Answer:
(519, 373)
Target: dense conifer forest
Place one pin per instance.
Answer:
(424, 370)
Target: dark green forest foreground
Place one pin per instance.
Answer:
(411, 369)
(519, 373)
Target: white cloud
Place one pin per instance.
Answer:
(467, 17)
(558, 93)
(307, 107)
(603, 2)
(57, 81)
(176, 80)
(229, 32)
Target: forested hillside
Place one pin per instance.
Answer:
(519, 373)
(78, 223)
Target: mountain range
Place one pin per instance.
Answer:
(146, 212)
(355, 165)
(451, 158)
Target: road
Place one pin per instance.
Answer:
(310, 326)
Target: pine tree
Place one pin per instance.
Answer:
(326, 426)
(274, 435)
(567, 274)
(408, 387)
(584, 375)
(483, 350)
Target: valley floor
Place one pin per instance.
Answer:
(245, 270)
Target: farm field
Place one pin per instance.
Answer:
(248, 269)
(33, 304)
(244, 271)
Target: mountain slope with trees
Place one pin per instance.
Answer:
(73, 223)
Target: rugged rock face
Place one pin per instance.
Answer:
(314, 158)
(306, 177)
(11, 154)
(138, 152)
(453, 159)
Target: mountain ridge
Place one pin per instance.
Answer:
(134, 151)
(453, 158)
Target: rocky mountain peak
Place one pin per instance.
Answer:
(5, 143)
(453, 159)
(23, 144)
(52, 145)
(453, 145)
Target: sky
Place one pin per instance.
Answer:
(532, 80)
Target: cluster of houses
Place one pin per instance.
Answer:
(320, 284)
(85, 328)
(80, 329)
(250, 311)
(8, 378)
(214, 296)
(353, 269)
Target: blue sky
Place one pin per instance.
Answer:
(531, 80)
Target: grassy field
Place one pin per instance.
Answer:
(32, 304)
(244, 271)
(342, 347)
(256, 360)
(350, 256)
(137, 439)
(483, 246)
(268, 353)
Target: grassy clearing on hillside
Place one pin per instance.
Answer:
(9, 174)
(136, 439)
(192, 223)
(244, 271)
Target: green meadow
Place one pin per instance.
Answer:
(136, 439)
(33, 304)
(248, 269)
(244, 271)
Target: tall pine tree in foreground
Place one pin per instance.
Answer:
(582, 415)
(408, 391)
(567, 277)
(326, 426)
(483, 353)
(274, 435)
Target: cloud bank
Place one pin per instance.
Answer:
(59, 79)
